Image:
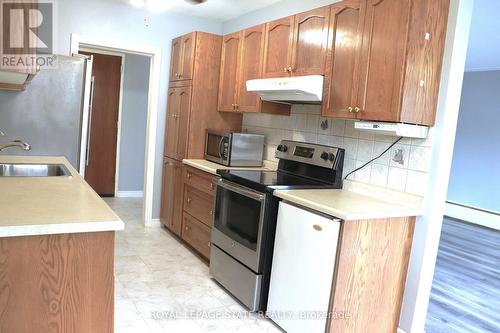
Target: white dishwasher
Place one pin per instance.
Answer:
(305, 249)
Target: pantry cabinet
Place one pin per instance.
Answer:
(242, 55)
(384, 60)
(179, 100)
(296, 45)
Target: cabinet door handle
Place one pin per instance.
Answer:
(189, 200)
(350, 109)
(211, 212)
(285, 70)
(212, 186)
(188, 175)
(237, 107)
(291, 69)
(357, 109)
(208, 244)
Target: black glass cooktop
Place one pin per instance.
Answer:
(270, 180)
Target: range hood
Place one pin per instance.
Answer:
(290, 90)
(393, 129)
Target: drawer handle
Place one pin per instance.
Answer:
(317, 227)
(212, 186)
(189, 200)
(188, 175)
(208, 244)
(211, 212)
(188, 227)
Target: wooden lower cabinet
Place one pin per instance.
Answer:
(196, 234)
(171, 205)
(57, 283)
(199, 205)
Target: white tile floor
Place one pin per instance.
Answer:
(160, 283)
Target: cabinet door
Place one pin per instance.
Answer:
(250, 67)
(229, 72)
(170, 143)
(182, 119)
(278, 47)
(383, 54)
(175, 59)
(171, 203)
(196, 234)
(346, 23)
(188, 48)
(310, 42)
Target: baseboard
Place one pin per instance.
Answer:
(129, 194)
(474, 215)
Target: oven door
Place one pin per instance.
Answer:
(238, 223)
(217, 147)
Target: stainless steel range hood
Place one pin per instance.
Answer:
(290, 90)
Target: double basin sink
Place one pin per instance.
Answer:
(33, 170)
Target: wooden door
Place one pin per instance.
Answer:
(310, 42)
(188, 48)
(171, 202)
(182, 120)
(383, 54)
(229, 72)
(103, 123)
(278, 47)
(250, 67)
(341, 79)
(175, 59)
(170, 143)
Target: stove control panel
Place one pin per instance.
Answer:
(314, 154)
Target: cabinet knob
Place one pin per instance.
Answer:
(291, 69)
(188, 175)
(357, 109)
(212, 186)
(208, 244)
(189, 200)
(211, 212)
(350, 109)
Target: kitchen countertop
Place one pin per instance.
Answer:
(212, 167)
(51, 205)
(348, 205)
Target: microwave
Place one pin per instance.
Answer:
(234, 149)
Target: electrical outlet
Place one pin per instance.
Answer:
(399, 156)
(324, 124)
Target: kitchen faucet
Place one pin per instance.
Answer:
(15, 143)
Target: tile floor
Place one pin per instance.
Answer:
(161, 286)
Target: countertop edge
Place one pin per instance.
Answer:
(60, 228)
(403, 212)
(200, 167)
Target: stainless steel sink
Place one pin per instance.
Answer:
(33, 170)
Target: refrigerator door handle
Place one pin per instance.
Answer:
(91, 107)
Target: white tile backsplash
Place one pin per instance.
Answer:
(304, 124)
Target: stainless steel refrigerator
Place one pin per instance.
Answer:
(49, 114)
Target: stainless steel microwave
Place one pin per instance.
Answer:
(234, 149)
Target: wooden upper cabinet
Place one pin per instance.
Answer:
(278, 47)
(383, 53)
(184, 100)
(341, 79)
(176, 61)
(182, 57)
(228, 82)
(250, 68)
(171, 123)
(310, 42)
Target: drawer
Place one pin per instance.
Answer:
(196, 234)
(199, 204)
(201, 180)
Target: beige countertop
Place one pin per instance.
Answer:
(348, 205)
(51, 205)
(212, 167)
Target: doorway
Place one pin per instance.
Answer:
(154, 55)
(105, 105)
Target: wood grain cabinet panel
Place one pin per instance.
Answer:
(182, 121)
(310, 42)
(171, 204)
(171, 126)
(200, 180)
(176, 60)
(278, 47)
(341, 80)
(196, 234)
(228, 83)
(188, 48)
(199, 205)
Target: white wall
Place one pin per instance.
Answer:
(133, 123)
(119, 21)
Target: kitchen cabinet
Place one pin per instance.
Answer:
(182, 57)
(242, 61)
(179, 100)
(196, 235)
(384, 60)
(199, 205)
(171, 204)
(297, 45)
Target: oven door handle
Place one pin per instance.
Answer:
(241, 190)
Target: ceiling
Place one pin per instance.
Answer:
(484, 42)
(220, 10)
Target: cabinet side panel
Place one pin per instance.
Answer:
(371, 275)
(205, 88)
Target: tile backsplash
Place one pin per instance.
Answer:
(409, 174)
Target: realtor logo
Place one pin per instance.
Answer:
(27, 31)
